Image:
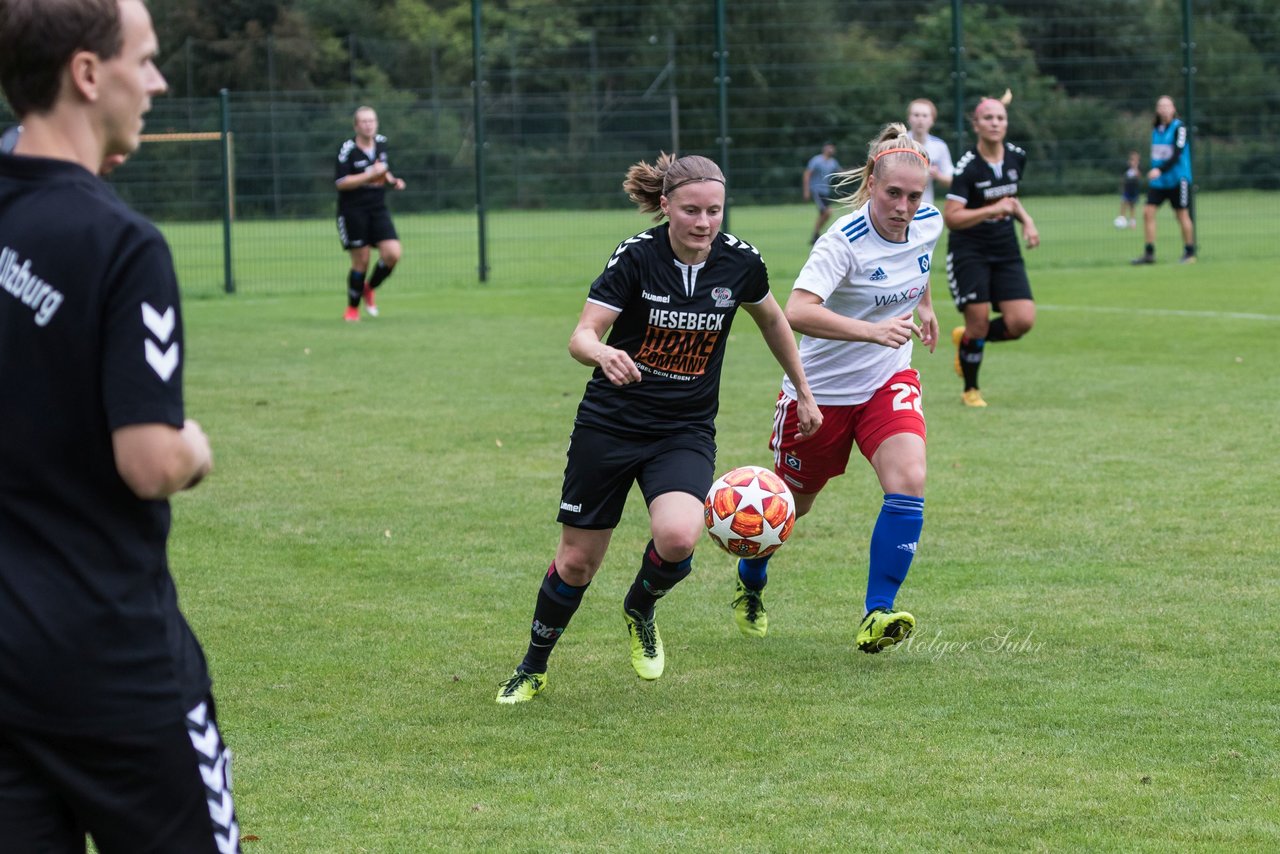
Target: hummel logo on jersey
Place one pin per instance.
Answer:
(879, 275)
(163, 362)
(909, 547)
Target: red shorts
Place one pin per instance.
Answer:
(807, 464)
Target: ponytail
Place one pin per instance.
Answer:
(893, 146)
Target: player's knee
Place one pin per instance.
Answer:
(576, 567)
(675, 545)
(1018, 326)
(911, 479)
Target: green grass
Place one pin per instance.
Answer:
(1095, 661)
(541, 248)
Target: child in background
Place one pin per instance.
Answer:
(1129, 193)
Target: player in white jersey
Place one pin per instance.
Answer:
(854, 301)
(921, 114)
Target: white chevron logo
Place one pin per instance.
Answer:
(207, 742)
(229, 844)
(222, 811)
(162, 362)
(161, 325)
(212, 774)
(199, 715)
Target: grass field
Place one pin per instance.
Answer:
(541, 248)
(1096, 587)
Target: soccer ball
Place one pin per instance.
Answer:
(749, 512)
(1120, 222)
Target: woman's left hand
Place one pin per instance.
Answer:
(928, 326)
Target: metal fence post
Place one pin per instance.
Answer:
(1188, 80)
(957, 69)
(722, 94)
(477, 94)
(224, 98)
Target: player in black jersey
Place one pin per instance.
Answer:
(669, 295)
(984, 263)
(362, 176)
(107, 724)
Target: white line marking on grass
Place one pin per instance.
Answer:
(1163, 312)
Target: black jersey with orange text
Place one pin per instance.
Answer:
(978, 183)
(674, 322)
(354, 160)
(91, 340)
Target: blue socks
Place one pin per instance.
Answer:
(893, 545)
(754, 572)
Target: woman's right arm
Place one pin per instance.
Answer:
(958, 217)
(586, 345)
(807, 315)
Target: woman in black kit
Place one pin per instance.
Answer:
(984, 263)
(668, 295)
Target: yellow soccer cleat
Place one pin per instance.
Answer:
(521, 687)
(647, 656)
(749, 613)
(882, 629)
(957, 335)
(972, 397)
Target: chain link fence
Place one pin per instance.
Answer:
(553, 115)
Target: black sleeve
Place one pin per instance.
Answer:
(142, 345)
(342, 165)
(616, 286)
(960, 184)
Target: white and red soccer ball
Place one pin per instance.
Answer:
(749, 512)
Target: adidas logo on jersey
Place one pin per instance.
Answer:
(879, 275)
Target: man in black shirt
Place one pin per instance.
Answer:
(107, 724)
(362, 175)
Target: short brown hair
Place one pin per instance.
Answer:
(38, 39)
(933, 108)
(646, 183)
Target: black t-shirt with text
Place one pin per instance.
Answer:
(674, 322)
(91, 340)
(978, 183)
(354, 160)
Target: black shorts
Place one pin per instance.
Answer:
(973, 278)
(164, 789)
(1178, 197)
(365, 227)
(602, 466)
